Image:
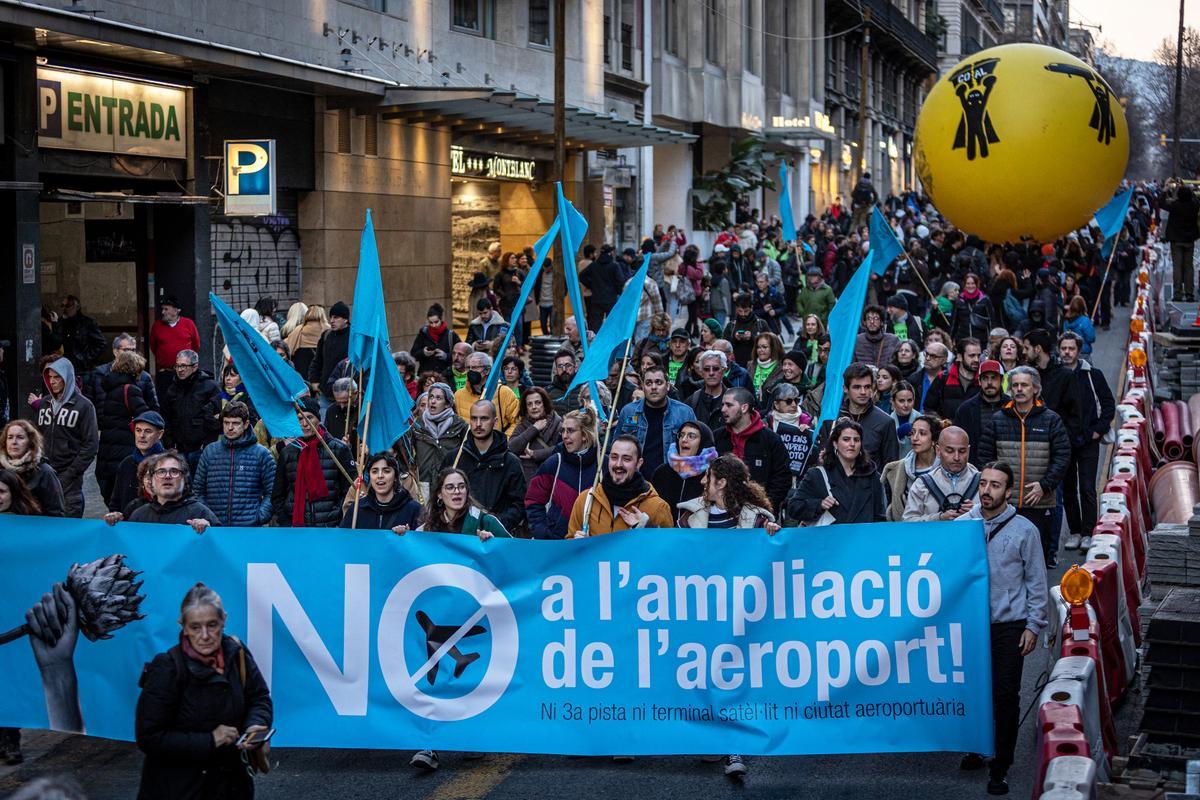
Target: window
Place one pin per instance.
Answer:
(474, 16)
(712, 32)
(785, 52)
(750, 33)
(343, 130)
(374, 5)
(607, 40)
(371, 134)
(668, 18)
(540, 16)
(969, 41)
(626, 46)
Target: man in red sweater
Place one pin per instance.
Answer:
(168, 336)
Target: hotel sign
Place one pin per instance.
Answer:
(98, 113)
(476, 164)
(818, 124)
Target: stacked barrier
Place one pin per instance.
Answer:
(1097, 642)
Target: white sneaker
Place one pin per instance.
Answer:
(1072, 542)
(424, 759)
(622, 759)
(1085, 543)
(735, 767)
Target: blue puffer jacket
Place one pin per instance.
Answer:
(234, 479)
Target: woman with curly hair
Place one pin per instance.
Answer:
(729, 500)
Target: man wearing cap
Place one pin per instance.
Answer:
(902, 323)
(677, 350)
(978, 408)
(816, 297)
(236, 474)
(147, 441)
(169, 335)
(487, 327)
(309, 485)
(331, 350)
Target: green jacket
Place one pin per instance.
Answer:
(815, 301)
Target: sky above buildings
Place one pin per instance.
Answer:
(1133, 28)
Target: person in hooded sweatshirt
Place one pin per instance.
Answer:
(67, 421)
(681, 477)
(387, 505)
(496, 477)
(568, 472)
(171, 501)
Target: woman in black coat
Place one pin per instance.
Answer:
(21, 452)
(387, 506)
(197, 699)
(846, 484)
(120, 401)
(681, 477)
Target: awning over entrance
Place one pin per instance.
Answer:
(511, 116)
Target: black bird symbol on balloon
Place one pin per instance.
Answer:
(1102, 119)
(973, 84)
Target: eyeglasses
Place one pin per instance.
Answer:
(788, 401)
(455, 489)
(712, 368)
(168, 472)
(179, 367)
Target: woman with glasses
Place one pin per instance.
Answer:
(680, 478)
(198, 700)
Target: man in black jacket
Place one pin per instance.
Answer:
(706, 401)
(1099, 407)
(1060, 389)
(332, 348)
(747, 437)
(173, 502)
(82, 341)
(880, 442)
(190, 408)
(312, 478)
(604, 278)
(978, 408)
(495, 475)
(1182, 232)
(952, 387)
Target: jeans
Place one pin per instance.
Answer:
(1184, 270)
(1079, 489)
(1007, 664)
(546, 318)
(1043, 519)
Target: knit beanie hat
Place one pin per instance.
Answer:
(339, 309)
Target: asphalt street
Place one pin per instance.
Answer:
(110, 770)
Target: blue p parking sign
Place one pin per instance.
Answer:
(249, 177)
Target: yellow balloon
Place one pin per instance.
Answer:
(1021, 140)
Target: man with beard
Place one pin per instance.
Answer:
(653, 420)
(950, 389)
(172, 502)
(456, 376)
(747, 437)
(495, 475)
(70, 435)
(623, 501)
(875, 346)
(978, 408)
(744, 328)
(879, 440)
(564, 373)
(1018, 591)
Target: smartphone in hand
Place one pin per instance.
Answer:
(255, 738)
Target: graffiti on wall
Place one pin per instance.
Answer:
(255, 257)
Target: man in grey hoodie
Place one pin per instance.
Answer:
(67, 421)
(1019, 600)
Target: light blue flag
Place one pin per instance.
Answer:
(541, 249)
(386, 401)
(847, 313)
(785, 205)
(573, 227)
(1111, 218)
(273, 386)
(616, 331)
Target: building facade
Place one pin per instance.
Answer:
(436, 115)
(968, 26)
(1039, 21)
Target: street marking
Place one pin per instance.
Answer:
(478, 781)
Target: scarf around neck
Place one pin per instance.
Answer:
(791, 418)
(438, 423)
(620, 495)
(214, 662)
(310, 480)
(690, 466)
(23, 465)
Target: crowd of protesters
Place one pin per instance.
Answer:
(970, 394)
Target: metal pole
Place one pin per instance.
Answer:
(864, 69)
(1178, 93)
(560, 153)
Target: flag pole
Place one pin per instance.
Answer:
(587, 504)
(328, 449)
(1100, 294)
(362, 441)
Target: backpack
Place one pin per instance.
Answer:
(685, 292)
(1014, 309)
(944, 503)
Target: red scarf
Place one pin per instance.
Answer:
(436, 333)
(310, 480)
(739, 439)
(216, 661)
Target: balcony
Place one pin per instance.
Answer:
(892, 29)
(996, 11)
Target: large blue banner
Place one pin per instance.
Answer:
(856, 638)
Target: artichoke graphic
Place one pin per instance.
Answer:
(106, 598)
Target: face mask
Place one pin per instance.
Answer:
(475, 379)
